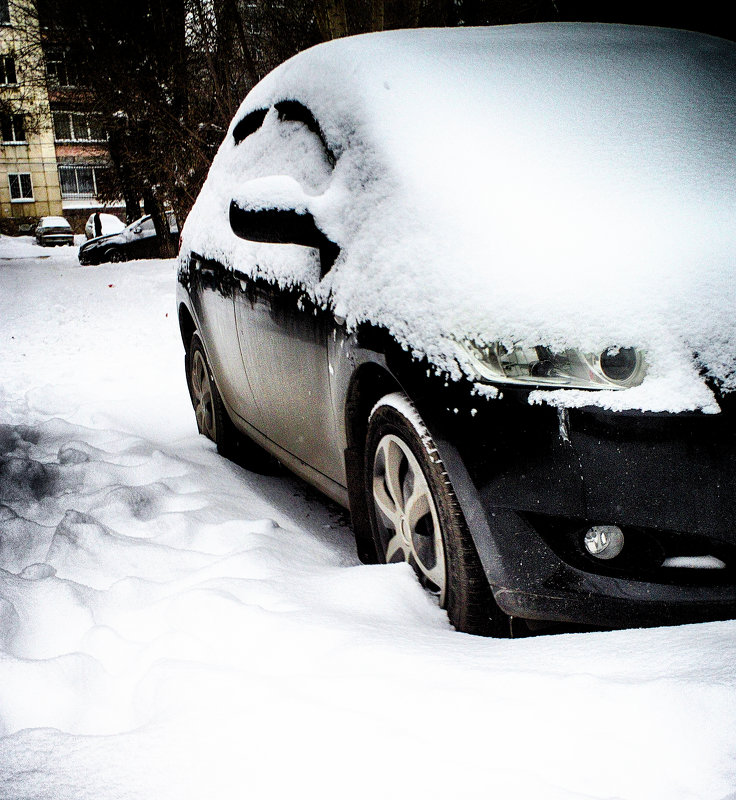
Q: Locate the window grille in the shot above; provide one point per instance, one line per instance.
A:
(78, 182)
(72, 126)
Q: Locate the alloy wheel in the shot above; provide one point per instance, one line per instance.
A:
(407, 513)
(202, 399)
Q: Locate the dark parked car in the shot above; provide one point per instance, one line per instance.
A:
(51, 231)
(138, 240)
(477, 286)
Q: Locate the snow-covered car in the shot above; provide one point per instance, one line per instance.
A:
(477, 285)
(137, 240)
(51, 231)
(109, 224)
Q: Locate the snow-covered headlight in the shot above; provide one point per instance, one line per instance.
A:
(613, 368)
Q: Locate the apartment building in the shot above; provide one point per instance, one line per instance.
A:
(79, 138)
(29, 178)
(53, 151)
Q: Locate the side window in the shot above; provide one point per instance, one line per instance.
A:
(148, 226)
(285, 140)
(294, 111)
(249, 124)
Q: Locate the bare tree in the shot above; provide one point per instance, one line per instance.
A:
(135, 68)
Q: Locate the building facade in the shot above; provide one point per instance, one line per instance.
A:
(29, 178)
(53, 151)
(79, 138)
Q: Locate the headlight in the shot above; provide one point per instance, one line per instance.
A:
(614, 368)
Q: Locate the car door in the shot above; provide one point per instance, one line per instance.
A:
(211, 288)
(142, 242)
(282, 334)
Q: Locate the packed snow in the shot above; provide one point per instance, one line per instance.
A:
(566, 185)
(172, 626)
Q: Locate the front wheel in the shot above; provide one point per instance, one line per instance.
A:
(415, 517)
(114, 255)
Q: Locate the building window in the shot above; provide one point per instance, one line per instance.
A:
(61, 70)
(21, 187)
(72, 126)
(13, 128)
(4, 12)
(79, 182)
(7, 71)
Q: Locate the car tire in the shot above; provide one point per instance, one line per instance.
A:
(209, 410)
(415, 517)
(114, 255)
(214, 422)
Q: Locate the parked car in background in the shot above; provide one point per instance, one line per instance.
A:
(137, 240)
(477, 285)
(51, 231)
(110, 224)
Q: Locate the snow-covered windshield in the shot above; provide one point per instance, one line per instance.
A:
(558, 185)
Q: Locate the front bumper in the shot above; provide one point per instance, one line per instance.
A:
(541, 478)
(539, 583)
(90, 258)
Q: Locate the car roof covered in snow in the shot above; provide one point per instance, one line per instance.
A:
(54, 222)
(557, 184)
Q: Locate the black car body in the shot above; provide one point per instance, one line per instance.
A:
(137, 240)
(543, 485)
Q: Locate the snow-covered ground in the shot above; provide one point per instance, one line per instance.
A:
(172, 626)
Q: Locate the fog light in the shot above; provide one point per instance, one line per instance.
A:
(604, 541)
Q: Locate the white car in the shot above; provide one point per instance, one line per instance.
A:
(110, 224)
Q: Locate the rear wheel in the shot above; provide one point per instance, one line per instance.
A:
(213, 420)
(415, 517)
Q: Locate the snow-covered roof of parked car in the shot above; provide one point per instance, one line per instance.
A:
(54, 222)
(571, 185)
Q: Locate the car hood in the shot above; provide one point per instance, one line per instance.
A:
(90, 244)
(568, 185)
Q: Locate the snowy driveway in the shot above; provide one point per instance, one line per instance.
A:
(172, 626)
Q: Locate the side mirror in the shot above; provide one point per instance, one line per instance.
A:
(277, 213)
(137, 229)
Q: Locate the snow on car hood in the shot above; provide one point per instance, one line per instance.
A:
(556, 184)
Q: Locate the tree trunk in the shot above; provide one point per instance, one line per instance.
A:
(331, 18)
(377, 15)
(151, 205)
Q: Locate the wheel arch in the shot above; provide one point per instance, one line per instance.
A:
(368, 384)
(187, 326)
